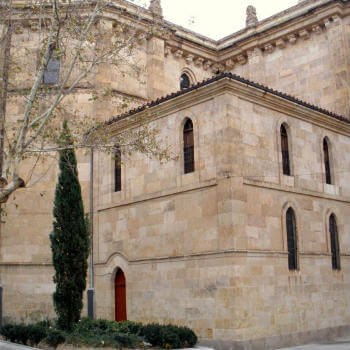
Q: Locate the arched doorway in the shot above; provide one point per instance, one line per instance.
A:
(120, 296)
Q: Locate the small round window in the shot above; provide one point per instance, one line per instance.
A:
(184, 81)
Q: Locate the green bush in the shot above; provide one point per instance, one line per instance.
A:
(8, 332)
(128, 327)
(187, 337)
(24, 334)
(170, 338)
(16, 333)
(104, 333)
(152, 334)
(100, 333)
(54, 337)
(36, 333)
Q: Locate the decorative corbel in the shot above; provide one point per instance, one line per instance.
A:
(189, 58)
(280, 43)
(34, 25)
(178, 53)
(317, 29)
(230, 64)
(199, 61)
(18, 28)
(167, 51)
(207, 64)
(269, 48)
(241, 59)
(304, 34)
(292, 39)
(217, 68)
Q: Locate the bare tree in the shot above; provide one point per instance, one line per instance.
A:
(72, 38)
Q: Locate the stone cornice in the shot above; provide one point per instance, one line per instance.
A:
(309, 20)
(286, 28)
(241, 90)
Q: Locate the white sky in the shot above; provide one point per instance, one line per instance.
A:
(219, 18)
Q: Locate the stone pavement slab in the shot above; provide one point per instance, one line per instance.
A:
(340, 344)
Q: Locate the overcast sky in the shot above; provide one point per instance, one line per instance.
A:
(217, 18)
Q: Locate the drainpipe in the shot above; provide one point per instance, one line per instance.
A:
(90, 292)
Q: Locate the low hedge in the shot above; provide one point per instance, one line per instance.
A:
(100, 333)
(32, 334)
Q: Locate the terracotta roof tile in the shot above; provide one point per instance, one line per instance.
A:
(220, 77)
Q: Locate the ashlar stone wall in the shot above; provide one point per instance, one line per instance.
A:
(209, 249)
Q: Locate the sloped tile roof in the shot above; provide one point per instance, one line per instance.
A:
(220, 77)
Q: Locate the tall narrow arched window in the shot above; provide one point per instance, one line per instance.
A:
(185, 81)
(117, 171)
(285, 151)
(327, 162)
(333, 231)
(188, 147)
(292, 240)
(51, 73)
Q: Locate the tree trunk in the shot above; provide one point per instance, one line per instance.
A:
(7, 36)
(7, 188)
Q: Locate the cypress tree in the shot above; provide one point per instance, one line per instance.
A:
(70, 239)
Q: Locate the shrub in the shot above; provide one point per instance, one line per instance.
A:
(21, 333)
(170, 338)
(36, 333)
(8, 332)
(104, 333)
(100, 333)
(128, 327)
(152, 334)
(54, 337)
(187, 337)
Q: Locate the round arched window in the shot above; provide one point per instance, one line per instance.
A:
(184, 81)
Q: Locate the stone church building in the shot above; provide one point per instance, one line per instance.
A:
(245, 235)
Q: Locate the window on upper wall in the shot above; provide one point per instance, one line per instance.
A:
(292, 240)
(188, 147)
(185, 81)
(285, 150)
(117, 171)
(327, 162)
(51, 73)
(333, 231)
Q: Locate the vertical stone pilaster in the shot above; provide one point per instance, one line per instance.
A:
(155, 68)
(229, 161)
(339, 56)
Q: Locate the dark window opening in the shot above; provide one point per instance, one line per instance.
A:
(285, 151)
(52, 70)
(326, 162)
(333, 230)
(188, 147)
(117, 171)
(184, 81)
(292, 240)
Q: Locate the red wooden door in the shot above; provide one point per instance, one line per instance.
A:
(120, 296)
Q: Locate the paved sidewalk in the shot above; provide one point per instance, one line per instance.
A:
(340, 344)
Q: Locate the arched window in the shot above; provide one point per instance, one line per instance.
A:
(326, 162)
(185, 81)
(292, 240)
(120, 296)
(117, 171)
(333, 231)
(285, 150)
(51, 73)
(188, 147)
